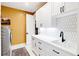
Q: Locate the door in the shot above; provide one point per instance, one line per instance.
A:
(30, 28)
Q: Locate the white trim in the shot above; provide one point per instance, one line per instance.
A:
(29, 49)
(17, 46)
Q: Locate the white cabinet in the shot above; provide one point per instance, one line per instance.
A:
(39, 47)
(42, 48)
(56, 7)
(69, 6)
(43, 16)
(34, 46)
(55, 51)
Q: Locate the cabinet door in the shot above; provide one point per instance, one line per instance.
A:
(43, 16)
(56, 7)
(69, 6)
(43, 48)
(33, 42)
(34, 46)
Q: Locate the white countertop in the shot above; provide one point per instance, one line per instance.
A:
(45, 38)
(49, 40)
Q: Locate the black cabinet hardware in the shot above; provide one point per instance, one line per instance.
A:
(40, 48)
(35, 44)
(56, 51)
(33, 39)
(39, 42)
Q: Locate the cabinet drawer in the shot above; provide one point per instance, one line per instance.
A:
(43, 48)
(43, 44)
(34, 43)
(59, 52)
(43, 52)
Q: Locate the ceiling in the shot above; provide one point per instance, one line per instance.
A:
(26, 6)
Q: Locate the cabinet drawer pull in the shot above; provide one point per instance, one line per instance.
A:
(39, 42)
(56, 51)
(33, 39)
(40, 48)
(35, 44)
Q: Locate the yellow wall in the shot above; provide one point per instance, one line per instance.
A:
(18, 19)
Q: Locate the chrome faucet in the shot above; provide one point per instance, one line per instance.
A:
(62, 35)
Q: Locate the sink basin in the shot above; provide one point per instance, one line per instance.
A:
(64, 44)
(59, 42)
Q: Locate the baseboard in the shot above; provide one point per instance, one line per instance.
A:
(29, 49)
(18, 46)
